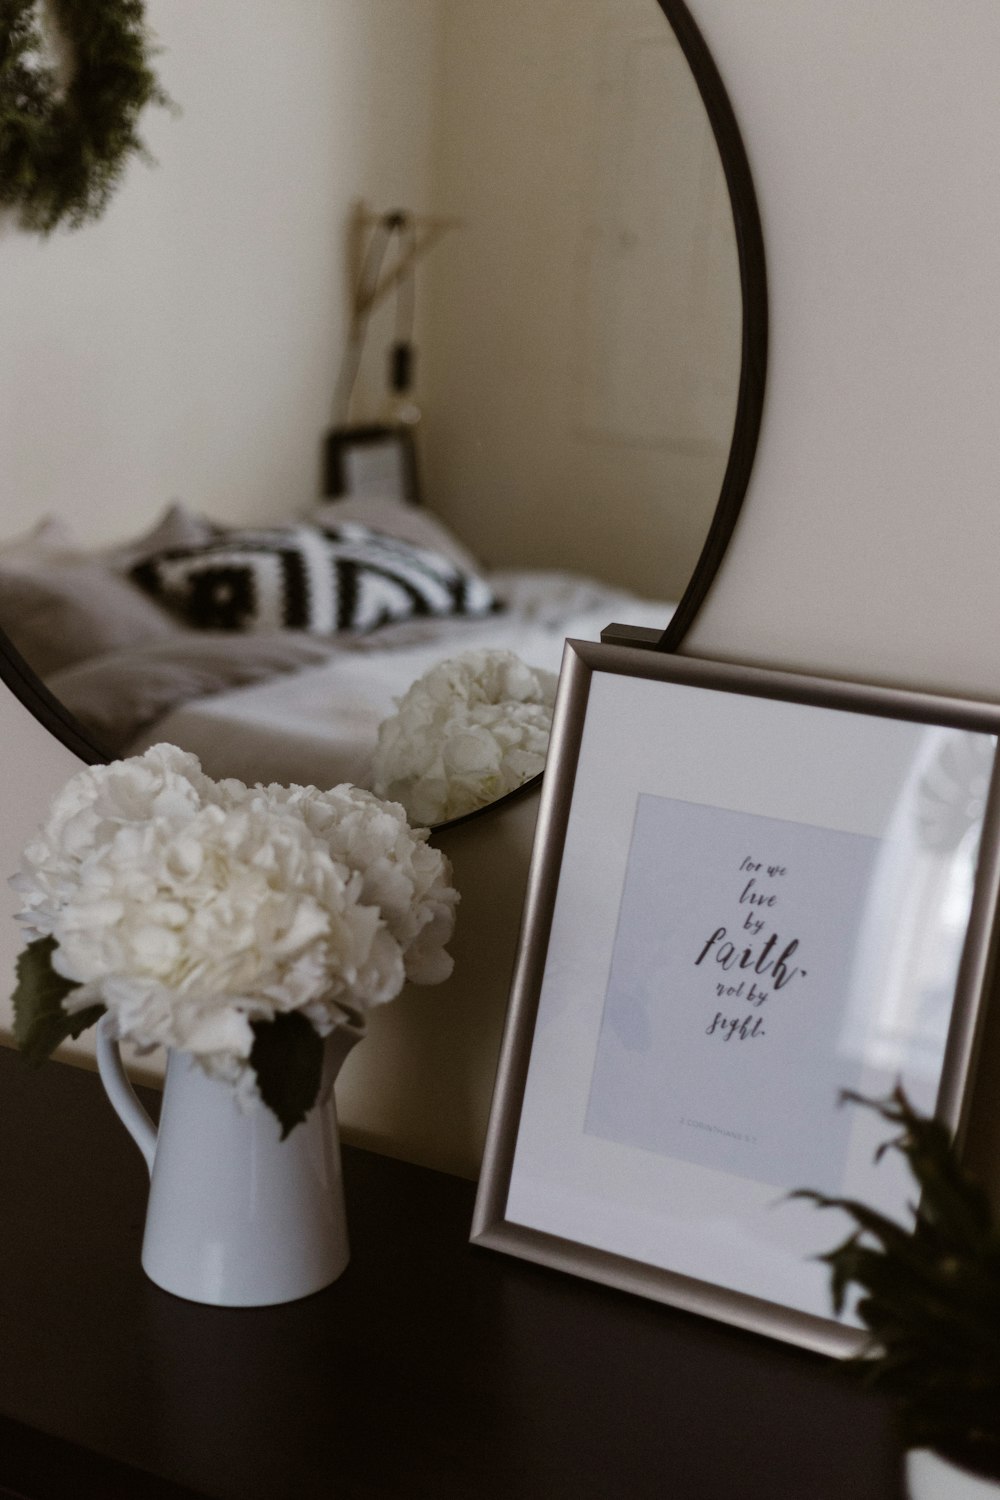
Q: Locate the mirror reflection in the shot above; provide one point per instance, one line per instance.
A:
(571, 324)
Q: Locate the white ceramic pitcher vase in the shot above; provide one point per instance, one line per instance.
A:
(237, 1217)
(931, 1477)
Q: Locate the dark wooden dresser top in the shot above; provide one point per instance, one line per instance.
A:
(430, 1370)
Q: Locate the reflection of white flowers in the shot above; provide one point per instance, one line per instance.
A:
(192, 908)
(471, 729)
(952, 791)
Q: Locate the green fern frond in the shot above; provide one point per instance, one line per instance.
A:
(929, 1293)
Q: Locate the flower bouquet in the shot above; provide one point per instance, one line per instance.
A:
(240, 925)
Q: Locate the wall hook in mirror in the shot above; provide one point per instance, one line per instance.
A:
(424, 231)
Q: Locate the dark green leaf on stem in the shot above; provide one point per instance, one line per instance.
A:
(287, 1057)
(40, 1022)
(929, 1294)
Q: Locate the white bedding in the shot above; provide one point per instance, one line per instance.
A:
(317, 726)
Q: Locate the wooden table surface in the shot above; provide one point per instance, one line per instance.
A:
(430, 1370)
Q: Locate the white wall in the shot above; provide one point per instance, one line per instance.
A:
(583, 344)
(870, 543)
(187, 344)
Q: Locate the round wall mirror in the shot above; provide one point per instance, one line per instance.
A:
(569, 249)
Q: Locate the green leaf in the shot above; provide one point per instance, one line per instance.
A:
(287, 1056)
(40, 1023)
(929, 1294)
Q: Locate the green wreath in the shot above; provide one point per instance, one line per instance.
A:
(64, 149)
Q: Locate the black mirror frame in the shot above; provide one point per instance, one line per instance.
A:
(753, 285)
(25, 684)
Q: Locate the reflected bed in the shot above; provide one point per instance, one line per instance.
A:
(267, 703)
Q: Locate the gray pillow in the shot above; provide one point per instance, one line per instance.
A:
(60, 605)
(60, 614)
(49, 540)
(117, 695)
(407, 523)
(176, 527)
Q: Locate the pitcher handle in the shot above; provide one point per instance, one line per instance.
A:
(343, 1040)
(119, 1090)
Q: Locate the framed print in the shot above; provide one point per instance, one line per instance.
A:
(749, 892)
(376, 461)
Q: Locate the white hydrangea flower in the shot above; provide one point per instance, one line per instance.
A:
(164, 787)
(401, 874)
(192, 908)
(470, 730)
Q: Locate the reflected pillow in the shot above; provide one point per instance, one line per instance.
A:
(61, 605)
(64, 613)
(407, 523)
(117, 695)
(49, 540)
(321, 580)
(176, 527)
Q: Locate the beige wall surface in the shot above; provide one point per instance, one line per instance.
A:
(584, 331)
(187, 344)
(870, 539)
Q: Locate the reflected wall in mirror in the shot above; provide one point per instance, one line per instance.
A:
(585, 347)
(578, 339)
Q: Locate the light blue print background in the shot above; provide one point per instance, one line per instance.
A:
(763, 1107)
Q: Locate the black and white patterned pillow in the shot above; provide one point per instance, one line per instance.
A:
(319, 579)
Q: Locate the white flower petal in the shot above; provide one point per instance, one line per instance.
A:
(472, 728)
(191, 908)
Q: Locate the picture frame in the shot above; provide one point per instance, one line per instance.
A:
(749, 891)
(377, 461)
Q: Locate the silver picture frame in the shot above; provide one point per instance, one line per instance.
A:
(658, 766)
